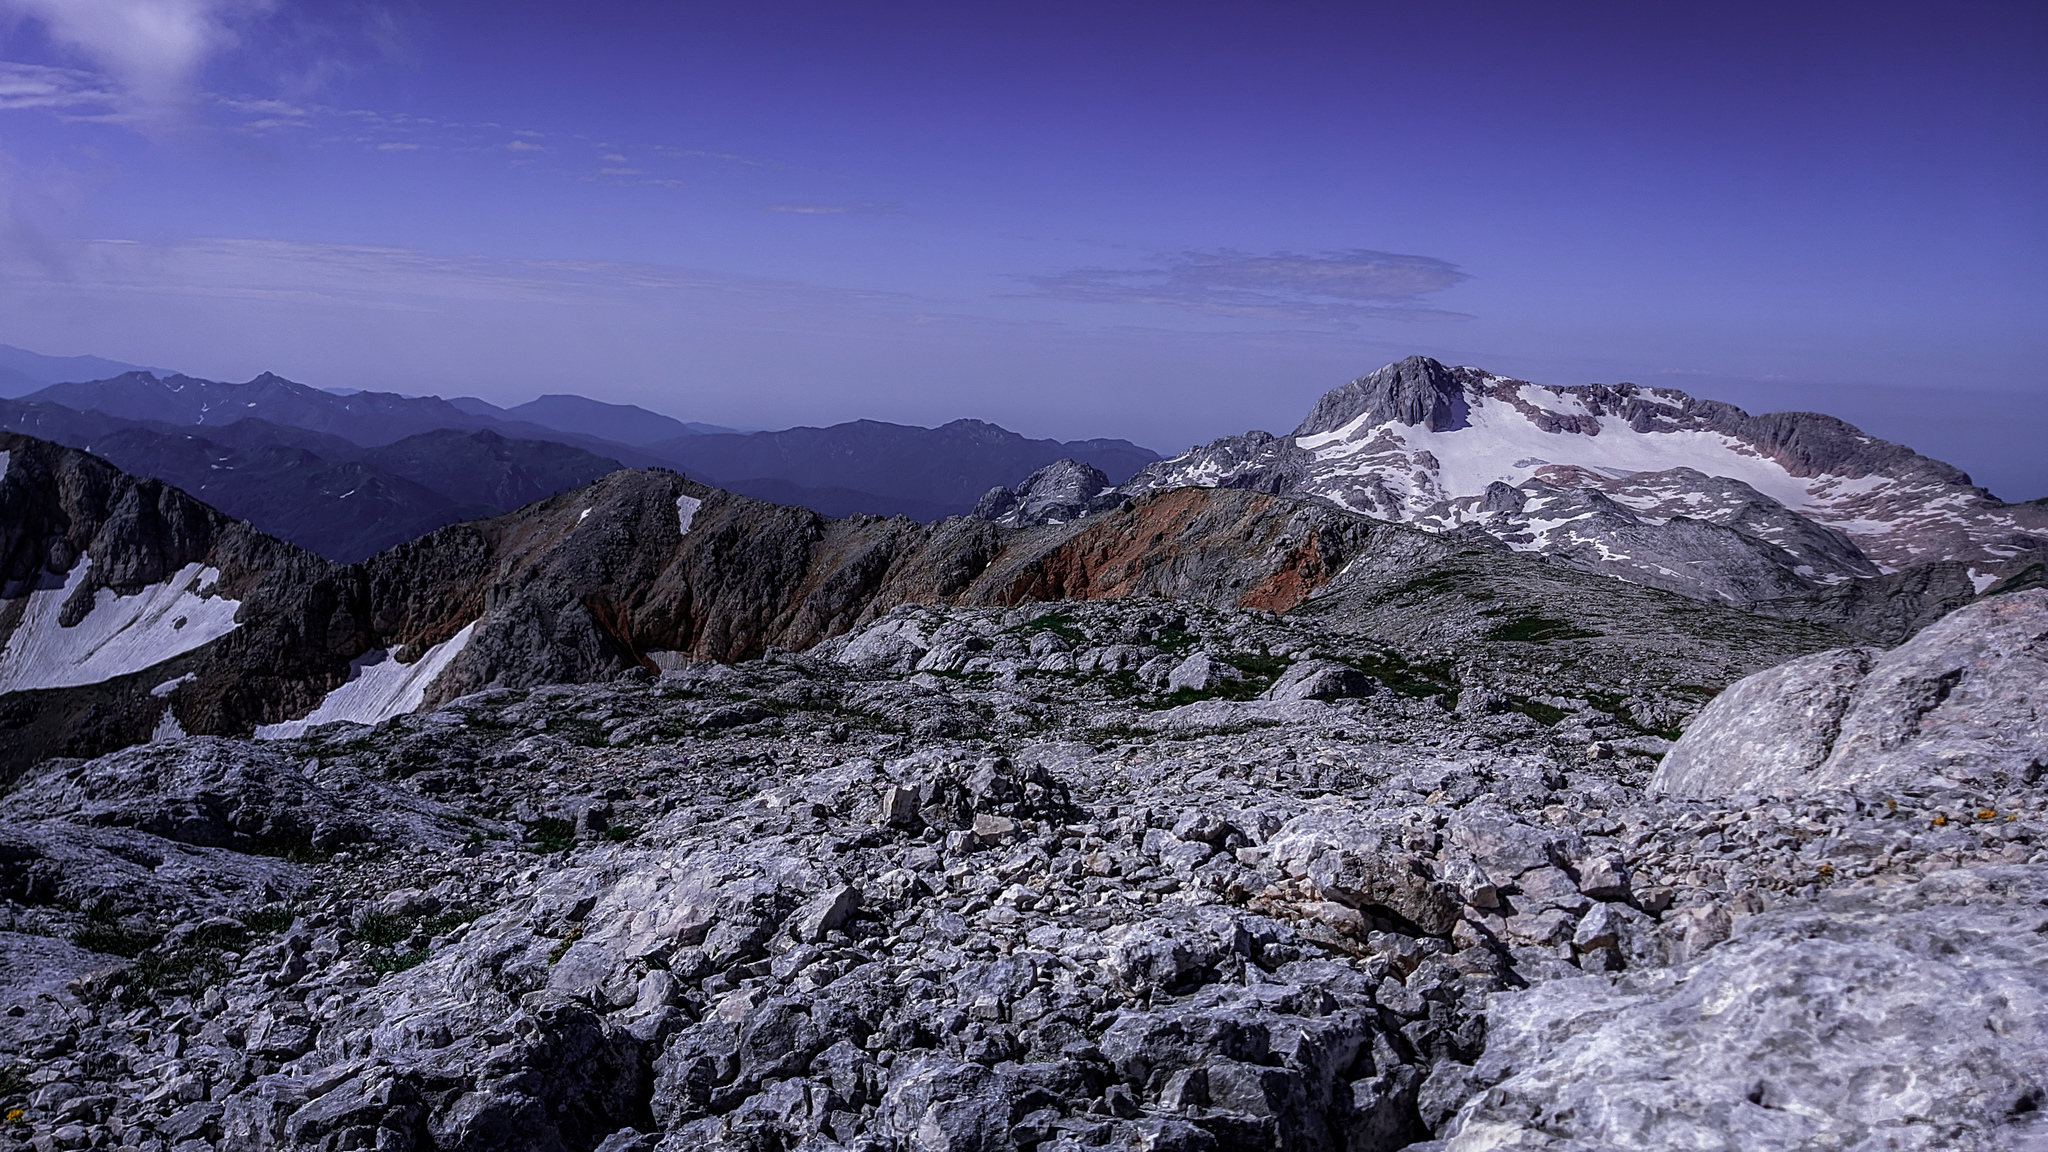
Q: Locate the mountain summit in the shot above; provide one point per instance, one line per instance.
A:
(1648, 484)
(1417, 390)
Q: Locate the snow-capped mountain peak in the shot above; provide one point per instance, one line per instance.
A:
(1650, 484)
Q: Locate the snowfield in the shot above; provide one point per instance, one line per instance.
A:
(378, 688)
(122, 634)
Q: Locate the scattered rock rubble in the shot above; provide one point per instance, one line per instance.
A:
(1107, 875)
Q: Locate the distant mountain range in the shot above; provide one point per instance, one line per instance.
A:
(23, 371)
(619, 423)
(921, 472)
(349, 474)
(1421, 504)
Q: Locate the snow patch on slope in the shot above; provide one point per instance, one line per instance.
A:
(122, 634)
(378, 688)
(1501, 443)
(686, 511)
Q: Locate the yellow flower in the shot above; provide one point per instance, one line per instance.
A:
(1986, 814)
(1940, 820)
(14, 1115)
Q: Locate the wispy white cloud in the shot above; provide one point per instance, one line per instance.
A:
(524, 146)
(153, 49)
(864, 209)
(37, 86)
(1357, 284)
(399, 279)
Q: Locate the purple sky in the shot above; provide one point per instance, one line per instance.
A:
(1160, 221)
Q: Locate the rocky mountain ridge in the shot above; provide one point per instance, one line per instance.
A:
(1793, 513)
(644, 569)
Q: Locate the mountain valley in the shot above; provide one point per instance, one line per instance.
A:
(1483, 766)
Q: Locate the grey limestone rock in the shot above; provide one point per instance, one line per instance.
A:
(1320, 680)
(1059, 492)
(822, 911)
(1960, 702)
(1770, 730)
(1199, 672)
(1896, 1018)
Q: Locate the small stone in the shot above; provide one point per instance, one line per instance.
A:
(899, 806)
(825, 913)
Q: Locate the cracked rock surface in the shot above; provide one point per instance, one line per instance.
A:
(1007, 879)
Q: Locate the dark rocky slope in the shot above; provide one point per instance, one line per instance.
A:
(606, 580)
(323, 493)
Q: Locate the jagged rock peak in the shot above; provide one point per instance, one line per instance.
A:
(1063, 490)
(1417, 390)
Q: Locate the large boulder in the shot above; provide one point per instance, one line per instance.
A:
(1321, 680)
(1901, 1017)
(1352, 859)
(1960, 704)
(1778, 725)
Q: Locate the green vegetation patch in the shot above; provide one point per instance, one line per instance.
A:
(1060, 624)
(1405, 678)
(563, 945)
(380, 930)
(1544, 714)
(1258, 665)
(185, 971)
(269, 919)
(449, 920)
(1618, 708)
(550, 834)
(1537, 630)
(113, 940)
(385, 963)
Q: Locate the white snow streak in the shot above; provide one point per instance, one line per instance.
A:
(686, 511)
(168, 728)
(169, 686)
(122, 634)
(378, 688)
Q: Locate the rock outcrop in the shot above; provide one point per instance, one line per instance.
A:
(1960, 702)
(1061, 491)
(1904, 1017)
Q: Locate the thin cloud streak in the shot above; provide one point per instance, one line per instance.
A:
(25, 86)
(385, 278)
(1334, 287)
(865, 209)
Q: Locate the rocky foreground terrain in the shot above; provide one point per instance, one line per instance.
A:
(1125, 873)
